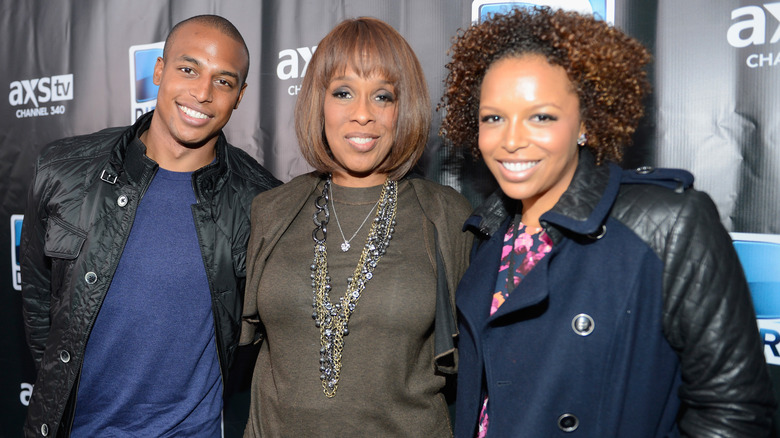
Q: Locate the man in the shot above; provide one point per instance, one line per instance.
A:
(133, 254)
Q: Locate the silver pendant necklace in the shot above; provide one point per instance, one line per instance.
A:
(345, 246)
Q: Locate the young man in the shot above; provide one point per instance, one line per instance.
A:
(133, 254)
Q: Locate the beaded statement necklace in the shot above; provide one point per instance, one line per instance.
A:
(333, 319)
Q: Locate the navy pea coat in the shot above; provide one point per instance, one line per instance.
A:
(637, 323)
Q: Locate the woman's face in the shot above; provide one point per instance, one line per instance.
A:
(360, 119)
(529, 122)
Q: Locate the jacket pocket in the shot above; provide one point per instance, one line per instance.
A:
(63, 241)
(63, 245)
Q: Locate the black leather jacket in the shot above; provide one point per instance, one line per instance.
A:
(81, 207)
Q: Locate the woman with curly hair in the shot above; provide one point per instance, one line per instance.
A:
(598, 300)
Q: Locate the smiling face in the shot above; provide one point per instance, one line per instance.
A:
(201, 82)
(360, 121)
(529, 122)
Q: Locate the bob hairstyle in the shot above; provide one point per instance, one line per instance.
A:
(604, 65)
(368, 46)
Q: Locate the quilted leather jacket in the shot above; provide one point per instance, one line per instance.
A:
(80, 210)
(638, 323)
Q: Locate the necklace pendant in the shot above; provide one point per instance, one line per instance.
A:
(345, 246)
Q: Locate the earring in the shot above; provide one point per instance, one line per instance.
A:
(582, 140)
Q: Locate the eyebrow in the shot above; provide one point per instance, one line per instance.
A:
(197, 63)
(383, 83)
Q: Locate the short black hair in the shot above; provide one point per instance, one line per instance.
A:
(221, 24)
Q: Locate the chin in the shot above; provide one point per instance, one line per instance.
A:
(511, 190)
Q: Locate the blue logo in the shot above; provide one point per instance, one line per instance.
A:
(760, 258)
(16, 237)
(143, 91)
(145, 88)
(601, 9)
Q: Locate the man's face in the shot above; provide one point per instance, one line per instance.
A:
(201, 82)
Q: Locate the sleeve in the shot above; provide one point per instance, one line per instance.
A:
(452, 259)
(250, 319)
(709, 319)
(35, 269)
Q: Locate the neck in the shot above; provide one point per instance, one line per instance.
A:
(171, 155)
(346, 179)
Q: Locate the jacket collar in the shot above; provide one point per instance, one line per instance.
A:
(129, 156)
(582, 209)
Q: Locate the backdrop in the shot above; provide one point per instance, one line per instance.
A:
(77, 66)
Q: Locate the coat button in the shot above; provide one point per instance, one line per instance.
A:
(45, 429)
(64, 356)
(583, 324)
(600, 233)
(121, 200)
(90, 277)
(568, 423)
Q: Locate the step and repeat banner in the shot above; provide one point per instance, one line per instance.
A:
(73, 67)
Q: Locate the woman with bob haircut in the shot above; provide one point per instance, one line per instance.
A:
(600, 301)
(357, 329)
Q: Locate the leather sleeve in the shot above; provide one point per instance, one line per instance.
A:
(710, 321)
(250, 320)
(35, 270)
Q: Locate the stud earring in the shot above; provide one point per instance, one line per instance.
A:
(582, 140)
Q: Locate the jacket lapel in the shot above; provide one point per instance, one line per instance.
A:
(532, 290)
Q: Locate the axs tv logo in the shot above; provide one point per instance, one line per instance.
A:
(293, 64)
(751, 27)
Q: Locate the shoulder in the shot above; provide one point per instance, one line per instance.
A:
(273, 210)
(300, 186)
(656, 213)
(247, 170)
(286, 198)
(443, 198)
(88, 146)
(657, 194)
(660, 192)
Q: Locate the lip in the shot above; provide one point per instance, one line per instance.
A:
(193, 118)
(518, 170)
(362, 141)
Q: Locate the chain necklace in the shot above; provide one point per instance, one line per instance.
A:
(333, 319)
(345, 246)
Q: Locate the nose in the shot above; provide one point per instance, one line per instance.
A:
(201, 89)
(516, 136)
(363, 112)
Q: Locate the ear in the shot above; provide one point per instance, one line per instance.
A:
(158, 71)
(240, 96)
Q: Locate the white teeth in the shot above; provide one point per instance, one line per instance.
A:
(193, 113)
(519, 167)
(361, 140)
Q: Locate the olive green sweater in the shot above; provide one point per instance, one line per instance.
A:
(390, 384)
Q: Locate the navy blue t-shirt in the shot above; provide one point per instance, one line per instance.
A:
(151, 365)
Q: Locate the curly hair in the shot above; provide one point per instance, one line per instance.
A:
(605, 65)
